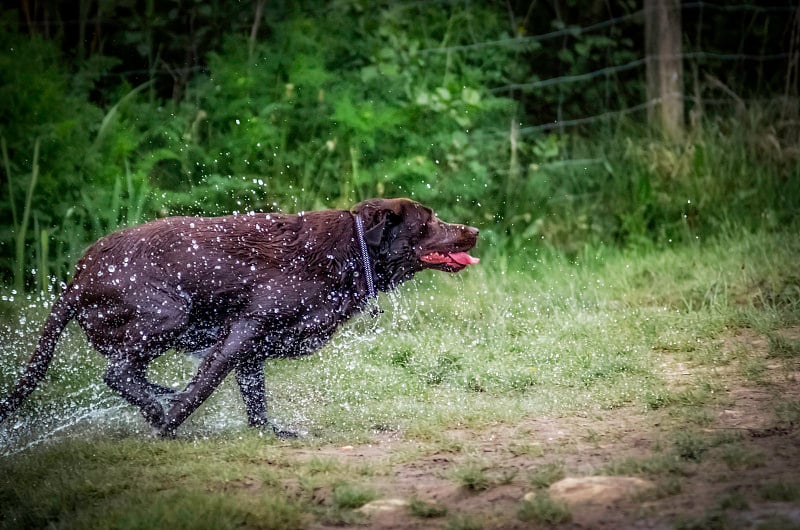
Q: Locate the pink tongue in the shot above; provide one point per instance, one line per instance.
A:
(462, 258)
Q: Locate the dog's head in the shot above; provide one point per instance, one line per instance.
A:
(405, 237)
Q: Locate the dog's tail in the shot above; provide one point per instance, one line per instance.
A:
(62, 312)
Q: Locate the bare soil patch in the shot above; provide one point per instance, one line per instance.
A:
(746, 446)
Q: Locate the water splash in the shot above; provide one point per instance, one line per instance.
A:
(19, 437)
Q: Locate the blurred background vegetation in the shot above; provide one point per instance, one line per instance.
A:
(525, 118)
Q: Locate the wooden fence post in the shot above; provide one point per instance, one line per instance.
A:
(664, 66)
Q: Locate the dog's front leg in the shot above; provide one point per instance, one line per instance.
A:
(250, 377)
(227, 353)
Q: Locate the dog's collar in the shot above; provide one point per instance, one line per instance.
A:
(372, 293)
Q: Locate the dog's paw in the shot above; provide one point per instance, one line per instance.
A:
(162, 432)
(287, 435)
(154, 414)
(284, 434)
(267, 426)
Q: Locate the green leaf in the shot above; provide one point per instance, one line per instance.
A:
(443, 94)
(368, 73)
(470, 96)
(111, 115)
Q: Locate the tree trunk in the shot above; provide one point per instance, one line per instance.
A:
(254, 29)
(664, 66)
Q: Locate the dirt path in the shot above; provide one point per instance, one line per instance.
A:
(731, 462)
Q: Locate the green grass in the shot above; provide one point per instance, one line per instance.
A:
(547, 474)
(659, 464)
(426, 510)
(780, 491)
(738, 456)
(487, 348)
(782, 347)
(349, 497)
(131, 483)
(473, 477)
(542, 509)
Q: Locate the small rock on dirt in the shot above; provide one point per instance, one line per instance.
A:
(383, 505)
(599, 490)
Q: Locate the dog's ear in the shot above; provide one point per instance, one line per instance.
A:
(373, 236)
(378, 215)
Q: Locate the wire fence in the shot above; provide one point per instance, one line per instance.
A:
(574, 31)
(640, 63)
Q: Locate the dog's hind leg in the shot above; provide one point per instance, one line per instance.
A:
(240, 341)
(127, 377)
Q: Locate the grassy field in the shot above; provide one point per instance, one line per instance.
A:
(678, 365)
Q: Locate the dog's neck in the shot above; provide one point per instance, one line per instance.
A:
(369, 276)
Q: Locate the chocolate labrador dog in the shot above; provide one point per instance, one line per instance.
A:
(241, 287)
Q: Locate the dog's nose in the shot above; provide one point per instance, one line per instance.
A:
(471, 231)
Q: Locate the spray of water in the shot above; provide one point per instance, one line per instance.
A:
(73, 401)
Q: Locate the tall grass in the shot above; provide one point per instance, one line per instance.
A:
(619, 186)
(21, 224)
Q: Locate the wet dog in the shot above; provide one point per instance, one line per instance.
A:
(243, 288)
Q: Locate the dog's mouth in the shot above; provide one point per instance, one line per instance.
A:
(449, 261)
